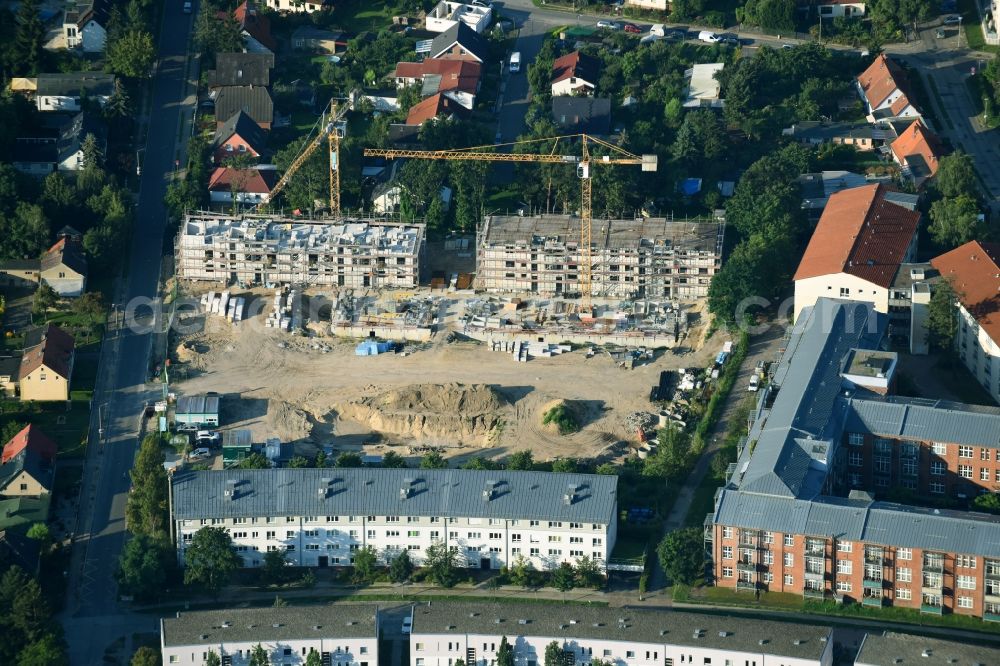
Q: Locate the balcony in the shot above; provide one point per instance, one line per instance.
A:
(814, 575)
(872, 584)
(931, 609)
(744, 565)
(992, 597)
(934, 566)
(745, 586)
(816, 550)
(991, 617)
(992, 574)
(871, 601)
(875, 558)
(810, 593)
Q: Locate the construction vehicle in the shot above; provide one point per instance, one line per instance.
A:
(583, 163)
(330, 127)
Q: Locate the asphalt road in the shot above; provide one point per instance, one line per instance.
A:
(92, 620)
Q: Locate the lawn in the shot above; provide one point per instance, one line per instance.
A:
(973, 29)
(357, 16)
(703, 500)
(630, 547)
(68, 428)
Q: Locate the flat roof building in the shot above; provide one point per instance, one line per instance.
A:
(895, 649)
(253, 249)
(644, 257)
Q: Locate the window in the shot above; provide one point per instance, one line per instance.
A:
(727, 532)
(883, 446)
(908, 466)
(768, 557)
(984, 454)
(845, 546)
(727, 552)
(789, 559)
(905, 554)
(789, 579)
(965, 602)
(855, 439)
(937, 488)
(938, 468)
(768, 537)
(904, 575)
(789, 540)
(845, 292)
(412, 533)
(965, 452)
(727, 572)
(965, 471)
(939, 449)
(843, 586)
(984, 474)
(855, 458)
(965, 561)
(903, 594)
(845, 567)
(966, 582)
(883, 465)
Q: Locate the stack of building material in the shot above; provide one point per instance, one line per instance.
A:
(280, 315)
(225, 305)
(234, 311)
(523, 351)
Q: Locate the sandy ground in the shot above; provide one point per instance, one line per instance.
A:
(295, 388)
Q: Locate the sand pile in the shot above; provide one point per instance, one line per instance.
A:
(443, 412)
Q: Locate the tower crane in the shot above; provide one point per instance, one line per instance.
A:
(583, 163)
(331, 127)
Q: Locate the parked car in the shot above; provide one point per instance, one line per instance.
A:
(407, 624)
(679, 35)
(939, 34)
(632, 29)
(754, 383)
(729, 39)
(954, 19)
(608, 25)
(208, 438)
(788, 46)
(708, 36)
(658, 29)
(187, 6)
(199, 454)
(187, 427)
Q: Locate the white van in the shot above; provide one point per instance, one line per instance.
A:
(658, 29)
(515, 62)
(708, 36)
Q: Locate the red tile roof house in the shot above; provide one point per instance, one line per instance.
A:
(250, 186)
(918, 152)
(457, 79)
(47, 364)
(255, 28)
(239, 135)
(974, 272)
(857, 248)
(29, 437)
(436, 106)
(575, 74)
(885, 91)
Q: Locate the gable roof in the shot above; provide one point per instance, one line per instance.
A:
(881, 79)
(255, 101)
(17, 511)
(30, 437)
(432, 107)
(50, 346)
(244, 126)
(974, 270)
(448, 74)
(249, 181)
(578, 65)
(241, 69)
(72, 135)
(466, 37)
(591, 115)
(70, 84)
(98, 11)
(255, 24)
(860, 233)
(66, 253)
(919, 148)
(30, 461)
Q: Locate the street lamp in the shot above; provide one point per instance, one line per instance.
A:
(959, 31)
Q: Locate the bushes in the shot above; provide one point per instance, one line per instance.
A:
(562, 418)
(715, 403)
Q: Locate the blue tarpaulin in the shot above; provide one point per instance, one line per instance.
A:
(372, 348)
(690, 186)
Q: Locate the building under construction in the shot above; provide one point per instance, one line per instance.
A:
(640, 258)
(265, 250)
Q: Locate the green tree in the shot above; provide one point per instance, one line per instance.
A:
(25, 234)
(955, 221)
(29, 612)
(273, 569)
(28, 39)
(348, 459)
(146, 656)
(521, 571)
(254, 461)
(564, 578)
(701, 136)
(565, 465)
(45, 299)
(48, 650)
(209, 561)
(314, 658)
(505, 653)
(258, 656)
(90, 305)
(407, 96)
(92, 156)
(320, 459)
(400, 567)
(521, 460)
(131, 55)
(41, 533)
(481, 464)
(988, 502)
(682, 555)
(956, 176)
(588, 573)
(146, 507)
(673, 112)
(392, 460)
(672, 456)
(432, 460)
(214, 36)
(119, 105)
(442, 562)
(554, 654)
(213, 659)
(942, 316)
(144, 565)
(365, 563)
(298, 462)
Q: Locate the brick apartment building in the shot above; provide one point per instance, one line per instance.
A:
(805, 508)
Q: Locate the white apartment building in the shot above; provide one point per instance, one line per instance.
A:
(342, 634)
(255, 249)
(447, 14)
(296, 6)
(444, 632)
(321, 517)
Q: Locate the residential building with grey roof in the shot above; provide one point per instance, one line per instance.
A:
(894, 649)
(444, 632)
(343, 634)
(320, 517)
(806, 508)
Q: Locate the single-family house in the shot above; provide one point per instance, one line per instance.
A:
(383, 100)
(19, 513)
(653, 5)
(63, 92)
(575, 74)
(200, 410)
(246, 186)
(238, 135)
(69, 147)
(817, 188)
(298, 6)
(47, 364)
(19, 272)
(255, 28)
(918, 151)
(317, 40)
(64, 268)
(862, 136)
(447, 14)
(703, 86)
(460, 42)
(10, 369)
(457, 79)
(857, 248)
(973, 270)
(833, 8)
(62, 149)
(885, 91)
(586, 115)
(27, 464)
(388, 197)
(435, 106)
(85, 25)
(240, 69)
(255, 101)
